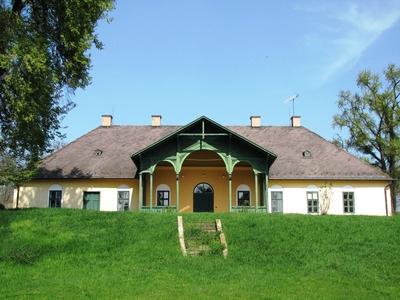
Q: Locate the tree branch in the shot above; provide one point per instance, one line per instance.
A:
(17, 7)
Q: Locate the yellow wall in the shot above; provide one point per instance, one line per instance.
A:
(192, 176)
(36, 192)
(369, 194)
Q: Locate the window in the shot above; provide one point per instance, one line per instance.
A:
(123, 200)
(243, 198)
(348, 202)
(162, 198)
(243, 195)
(91, 200)
(312, 202)
(277, 201)
(163, 195)
(307, 154)
(55, 198)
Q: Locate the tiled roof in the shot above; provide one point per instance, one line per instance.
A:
(116, 144)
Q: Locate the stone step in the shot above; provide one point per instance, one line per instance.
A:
(195, 251)
(205, 226)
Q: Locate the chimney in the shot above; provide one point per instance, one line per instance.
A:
(296, 121)
(106, 120)
(255, 121)
(156, 120)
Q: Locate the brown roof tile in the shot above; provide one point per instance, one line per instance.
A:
(79, 159)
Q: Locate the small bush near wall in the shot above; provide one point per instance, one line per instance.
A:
(6, 196)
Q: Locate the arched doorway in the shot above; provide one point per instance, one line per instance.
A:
(203, 198)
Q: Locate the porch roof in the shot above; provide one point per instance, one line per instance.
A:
(204, 134)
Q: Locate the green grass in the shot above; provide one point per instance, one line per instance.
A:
(50, 253)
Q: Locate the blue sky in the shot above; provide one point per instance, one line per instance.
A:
(229, 59)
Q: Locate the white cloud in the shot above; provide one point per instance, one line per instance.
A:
(357, 28)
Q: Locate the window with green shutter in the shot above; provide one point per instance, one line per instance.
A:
(348, 202)
(312, 202)
(91, 200)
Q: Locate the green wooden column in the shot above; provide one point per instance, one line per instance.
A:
(230, 191)
(256, 188)
(177, 192)
(266, 192)
(140, 191)
(151, 191)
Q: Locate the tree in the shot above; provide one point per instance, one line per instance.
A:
(372, 119)
(14, 173)
(43, 59)
(325, 198)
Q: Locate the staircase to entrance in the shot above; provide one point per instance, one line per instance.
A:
(202, 238)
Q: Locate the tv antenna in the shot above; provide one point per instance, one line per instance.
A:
(292, 98)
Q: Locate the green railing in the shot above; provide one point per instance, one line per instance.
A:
(160, 209)
(249, 209)
(235, 209)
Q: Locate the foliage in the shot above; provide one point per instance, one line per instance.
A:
(72, 254)
(325, 198)
(13, 173)
(43, 59)
(372, 119)
(6, 195)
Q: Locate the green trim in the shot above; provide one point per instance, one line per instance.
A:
(177, 192)
(256, 188)
(176, 151)
(266, 190)
(230, 191)
(249, 209)
(151, 191)
(203, 118)
(140, 190)
(160, 209)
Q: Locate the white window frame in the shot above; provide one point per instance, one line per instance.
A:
(276, 188)
(242, 188)
(55, 188)
(125, 188)
(349, 189)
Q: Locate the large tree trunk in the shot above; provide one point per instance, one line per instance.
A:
(393, 197)
(17, 197)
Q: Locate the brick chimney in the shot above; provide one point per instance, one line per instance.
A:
(296, 121)
(156, 120)
(255, 121)
(106, 120)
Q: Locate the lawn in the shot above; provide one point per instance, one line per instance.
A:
(61, 253)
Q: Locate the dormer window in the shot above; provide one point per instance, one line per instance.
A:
(306, 154)
(98, 152)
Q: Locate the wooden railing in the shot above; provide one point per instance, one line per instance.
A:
(160, 209)
(249, 209)
(235, 209)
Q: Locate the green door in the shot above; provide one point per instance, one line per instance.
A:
(203, 198)
(91, 200)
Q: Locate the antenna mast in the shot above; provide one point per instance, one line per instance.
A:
(292, 98)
